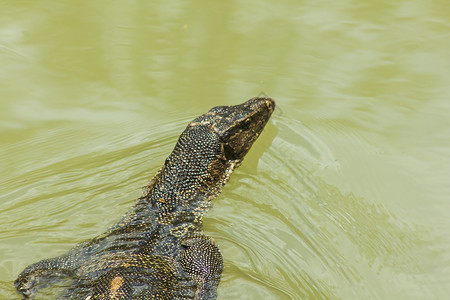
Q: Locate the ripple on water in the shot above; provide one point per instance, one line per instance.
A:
(285, 231)
(75, 195)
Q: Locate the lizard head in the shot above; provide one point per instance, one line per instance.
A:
(238, 126)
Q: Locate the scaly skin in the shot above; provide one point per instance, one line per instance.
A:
(158, 250)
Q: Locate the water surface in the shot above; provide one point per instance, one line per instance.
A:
(344, 195)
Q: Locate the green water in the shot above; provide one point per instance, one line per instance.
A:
(344, 196)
